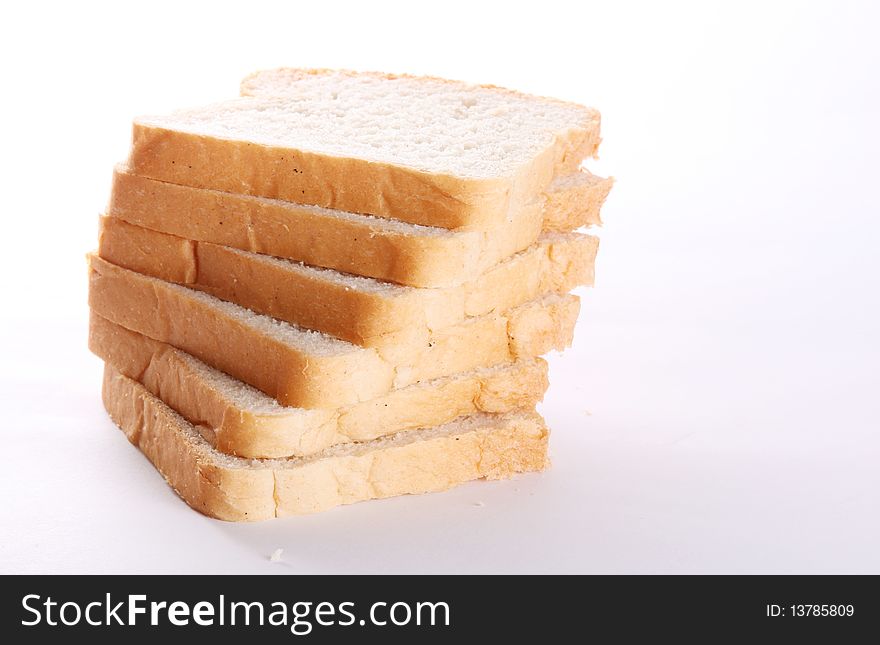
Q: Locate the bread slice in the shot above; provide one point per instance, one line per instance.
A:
(575, 200)
(417, 149)
(240, 420)
(410, 254)
(360, 310)
(309, 369)
(231, 488)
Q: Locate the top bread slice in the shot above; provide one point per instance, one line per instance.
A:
(409, 254)
(417, 149)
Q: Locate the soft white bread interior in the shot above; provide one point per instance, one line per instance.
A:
(417, 149)
(238, 419)
(448, 126)
(360, 310)
(481, 446)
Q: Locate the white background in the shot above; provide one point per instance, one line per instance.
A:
(719, 409)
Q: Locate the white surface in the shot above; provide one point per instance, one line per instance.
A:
(718, 412)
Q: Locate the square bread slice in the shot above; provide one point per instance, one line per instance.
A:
(481, 446)
(360, 310)
(310, 369)
(238, 419)
(419, 256)
(575, 200)
(417, 149)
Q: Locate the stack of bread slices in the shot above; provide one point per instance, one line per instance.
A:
(338, 286)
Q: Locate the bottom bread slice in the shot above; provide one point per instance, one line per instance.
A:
(481, 446)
